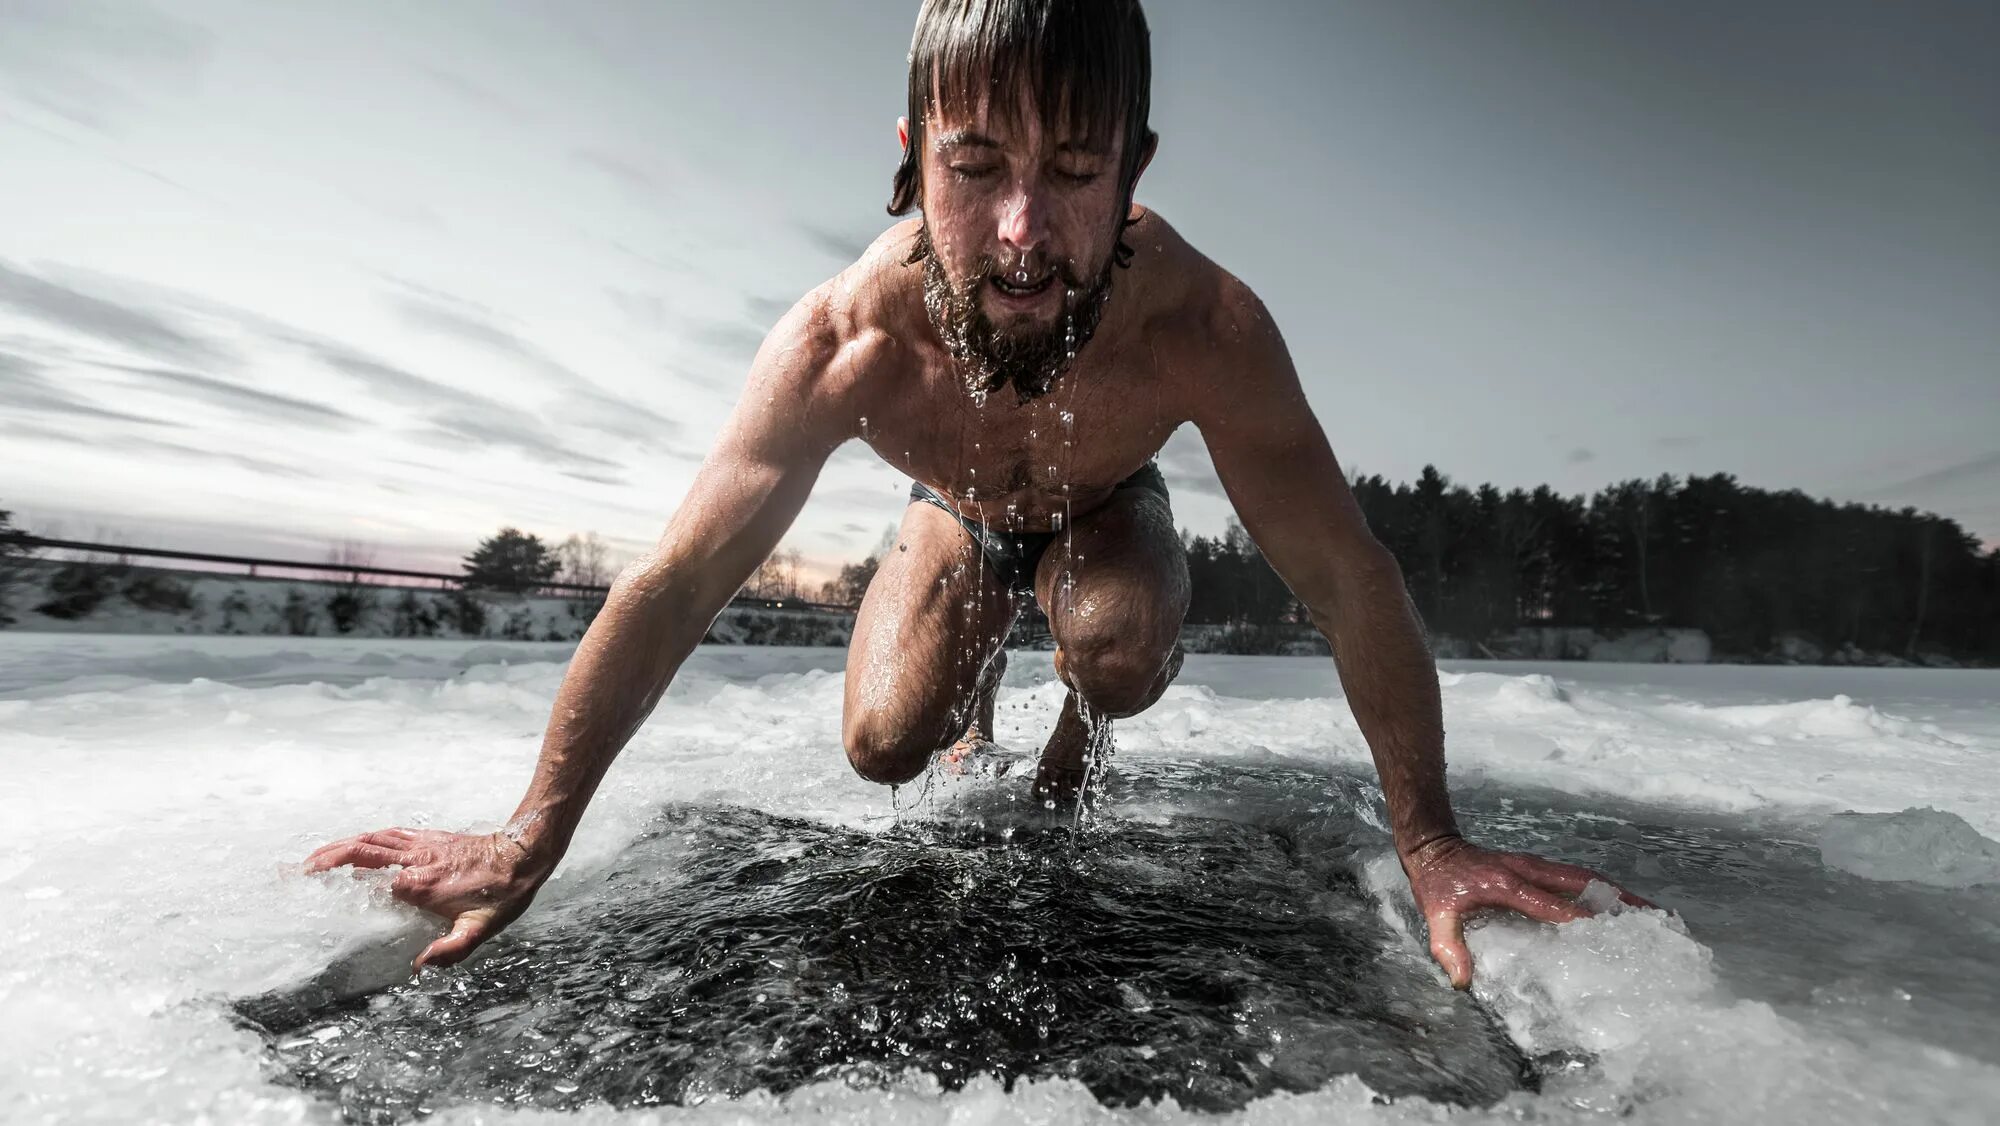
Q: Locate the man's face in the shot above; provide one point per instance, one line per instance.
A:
(1022, 224)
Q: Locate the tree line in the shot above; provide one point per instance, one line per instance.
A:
(1746, 565)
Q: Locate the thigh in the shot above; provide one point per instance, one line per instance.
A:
(1119, 577)
(934, 614)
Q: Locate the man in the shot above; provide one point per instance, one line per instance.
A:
(1021, 352)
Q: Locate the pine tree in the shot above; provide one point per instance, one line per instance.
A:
(510, 560)
(14, 555)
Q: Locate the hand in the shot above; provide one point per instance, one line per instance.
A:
(479, 883)
(1451, 877)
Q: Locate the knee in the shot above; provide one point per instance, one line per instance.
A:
(883, 752)
(1118, 679)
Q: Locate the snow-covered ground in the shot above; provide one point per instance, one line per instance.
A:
(159, 792)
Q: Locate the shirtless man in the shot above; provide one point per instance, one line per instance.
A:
(1021, 352)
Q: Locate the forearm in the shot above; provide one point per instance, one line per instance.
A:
(1391, 684)
(647, 628)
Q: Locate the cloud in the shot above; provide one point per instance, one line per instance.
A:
(1975, 470)
(646, 311)
(248, 401)
(89, 62)
(195, 453)
(642, 185)
(767, 310)
(1185, 464)
(731, 340)
(23, 387)
(1578, 456)
(1676, 441)
(109, 321)
(579, 402)
(455, 416)
(843, 247)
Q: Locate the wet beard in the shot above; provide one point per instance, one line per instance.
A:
(989, 358)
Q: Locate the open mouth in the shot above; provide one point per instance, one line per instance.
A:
(1019, 289)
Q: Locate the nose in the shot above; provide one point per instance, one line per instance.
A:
(1024, 219)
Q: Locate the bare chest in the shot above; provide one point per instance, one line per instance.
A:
(1021, 465)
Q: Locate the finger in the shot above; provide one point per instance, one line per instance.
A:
(387, 838)
(1570, 879)
(467, 932)
(1448, 948)
(1538, 903)
(413, 886)
(353, 852)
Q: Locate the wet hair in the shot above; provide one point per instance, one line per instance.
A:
(1087, 63)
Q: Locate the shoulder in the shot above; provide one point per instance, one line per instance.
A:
(849, 327)
(1225, 332)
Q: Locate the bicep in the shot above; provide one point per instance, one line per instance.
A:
(1280, 473)
(761, 469)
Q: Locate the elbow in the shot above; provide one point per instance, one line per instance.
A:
(1368, 579)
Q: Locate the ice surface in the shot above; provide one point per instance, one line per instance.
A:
(1923, 845)
(161, 791)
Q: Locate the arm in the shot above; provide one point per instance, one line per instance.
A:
(1282, 477)
(746, 494)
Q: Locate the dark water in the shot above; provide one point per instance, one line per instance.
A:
(1210, 957)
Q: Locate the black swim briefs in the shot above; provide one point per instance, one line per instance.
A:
(1014, 555)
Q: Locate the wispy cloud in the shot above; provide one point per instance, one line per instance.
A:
(248, 401)
(1578, 456)
(766, 310)
(1978, 469)
(224, 457)
(642, 185)
(24, 387)
(452, 415)
(842, 246)
(71, 310)
(90, 62)
(578, 401)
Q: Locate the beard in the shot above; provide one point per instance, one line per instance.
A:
(1029, 358)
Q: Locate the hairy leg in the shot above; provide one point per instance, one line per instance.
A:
(927, 649)
(1116, 592)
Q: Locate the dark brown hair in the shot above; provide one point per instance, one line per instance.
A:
(1088, 64)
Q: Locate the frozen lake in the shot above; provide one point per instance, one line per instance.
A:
(745, 930)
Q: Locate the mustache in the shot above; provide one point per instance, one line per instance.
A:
(988, 265)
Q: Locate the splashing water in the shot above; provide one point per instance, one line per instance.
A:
(728, 951)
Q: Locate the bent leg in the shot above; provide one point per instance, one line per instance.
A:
(927, 651)
(1116, 592)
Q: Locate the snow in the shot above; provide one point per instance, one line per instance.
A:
(1832, 957)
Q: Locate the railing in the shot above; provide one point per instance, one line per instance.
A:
(355, 570)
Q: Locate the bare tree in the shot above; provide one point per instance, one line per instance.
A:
(585, 559)
(777, 576)
(351, 554)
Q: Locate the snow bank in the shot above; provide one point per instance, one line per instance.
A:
(118, 599)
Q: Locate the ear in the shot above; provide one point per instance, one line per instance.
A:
(903, 133)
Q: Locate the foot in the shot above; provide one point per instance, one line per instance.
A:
(962, 757)
(1059, 783)
(1066, 760)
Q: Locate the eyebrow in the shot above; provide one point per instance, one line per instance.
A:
(966, 138)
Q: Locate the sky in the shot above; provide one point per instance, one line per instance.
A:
(275, 278)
